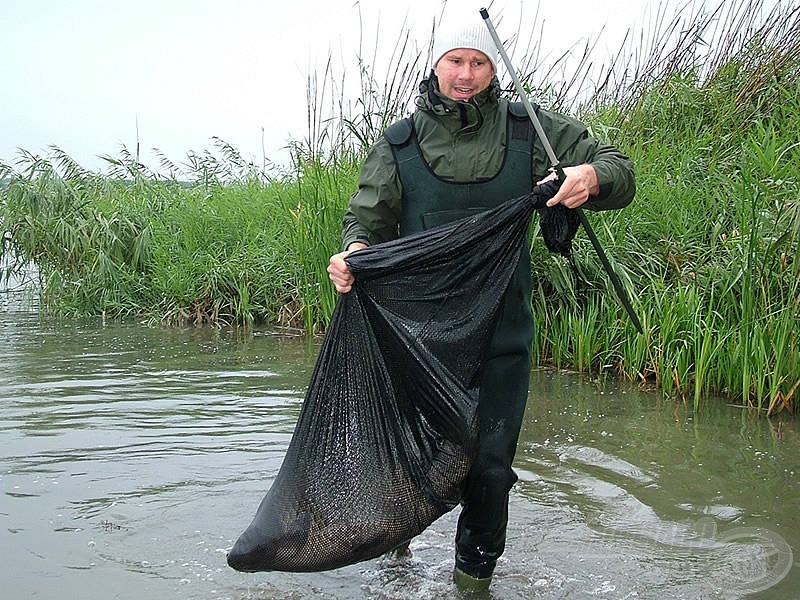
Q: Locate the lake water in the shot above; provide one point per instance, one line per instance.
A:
(133, 456)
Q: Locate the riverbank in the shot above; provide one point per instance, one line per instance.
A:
(708, 251)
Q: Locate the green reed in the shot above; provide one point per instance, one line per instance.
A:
(706, 104)
(709, 249)
(207, 251)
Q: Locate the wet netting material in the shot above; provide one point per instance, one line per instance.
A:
(388, 428)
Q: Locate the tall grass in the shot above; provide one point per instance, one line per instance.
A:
(712, 242)
(706, 102)
(197, 250)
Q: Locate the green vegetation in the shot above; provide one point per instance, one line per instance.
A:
(230, 247)
(707, 105)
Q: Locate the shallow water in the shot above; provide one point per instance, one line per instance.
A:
(133, 457)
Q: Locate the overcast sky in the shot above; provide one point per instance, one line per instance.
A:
(84, 75)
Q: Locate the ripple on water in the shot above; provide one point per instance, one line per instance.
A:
(133, 457)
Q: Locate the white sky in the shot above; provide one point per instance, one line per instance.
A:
(81, 74)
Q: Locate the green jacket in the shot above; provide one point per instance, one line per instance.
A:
(465, 141)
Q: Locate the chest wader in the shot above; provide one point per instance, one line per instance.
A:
(428, 201)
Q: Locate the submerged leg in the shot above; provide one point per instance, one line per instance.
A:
(481, 535)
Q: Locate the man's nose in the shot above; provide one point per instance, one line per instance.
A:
(465, 72)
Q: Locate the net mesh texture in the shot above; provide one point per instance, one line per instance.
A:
(388, 429)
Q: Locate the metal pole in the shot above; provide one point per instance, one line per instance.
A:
(615, 281)
(523, 96)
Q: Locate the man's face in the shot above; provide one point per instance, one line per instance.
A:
(463, 72)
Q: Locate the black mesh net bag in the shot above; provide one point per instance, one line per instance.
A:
(388, 428)
(559, 225)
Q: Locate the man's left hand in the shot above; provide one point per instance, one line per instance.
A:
(580, 182)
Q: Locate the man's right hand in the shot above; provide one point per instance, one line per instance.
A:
(339, 272)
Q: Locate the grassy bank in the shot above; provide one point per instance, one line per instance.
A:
(228, 247)
(711, 246)
(708, 251)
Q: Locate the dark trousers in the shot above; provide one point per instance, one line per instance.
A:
(481, 534)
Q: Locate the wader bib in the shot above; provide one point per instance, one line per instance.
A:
(429, 200)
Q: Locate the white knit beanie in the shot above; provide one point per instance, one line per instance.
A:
(473, 34)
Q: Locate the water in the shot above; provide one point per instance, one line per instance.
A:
(133, 456)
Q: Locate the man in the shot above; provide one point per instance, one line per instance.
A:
(462, 155)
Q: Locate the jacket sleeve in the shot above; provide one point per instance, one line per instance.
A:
(374, 211)
(573, 146)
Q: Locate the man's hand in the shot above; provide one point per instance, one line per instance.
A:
(580, 183)
(339, 272)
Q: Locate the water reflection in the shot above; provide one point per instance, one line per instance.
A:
(133, 456)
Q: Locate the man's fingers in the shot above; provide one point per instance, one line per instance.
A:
(339, 273)
(563, 194)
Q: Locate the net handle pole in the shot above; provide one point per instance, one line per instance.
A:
(554, 163)
(556, 166)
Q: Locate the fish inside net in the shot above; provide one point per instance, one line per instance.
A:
(388, 428)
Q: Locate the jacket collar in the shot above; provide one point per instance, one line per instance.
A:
(469, 113)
